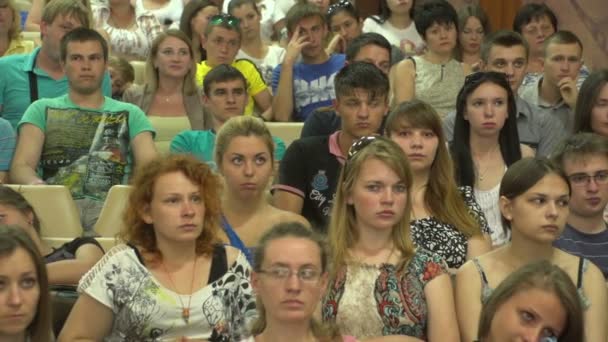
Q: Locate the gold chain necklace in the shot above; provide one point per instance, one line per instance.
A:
(185, 310)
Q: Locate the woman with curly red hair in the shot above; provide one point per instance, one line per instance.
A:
(173, 279)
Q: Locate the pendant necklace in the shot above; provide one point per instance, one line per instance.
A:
(185, 310)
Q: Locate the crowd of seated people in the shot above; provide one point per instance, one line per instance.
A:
(447, 182)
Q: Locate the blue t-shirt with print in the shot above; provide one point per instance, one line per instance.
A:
(313, 85)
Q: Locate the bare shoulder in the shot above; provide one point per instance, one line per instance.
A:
(405, 67)
(526, 151)
(231, 254)
(277, 216)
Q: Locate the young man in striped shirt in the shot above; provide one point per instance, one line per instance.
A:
(584, 159)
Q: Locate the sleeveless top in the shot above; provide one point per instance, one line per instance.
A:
(438, 84)
(486, 290)
(488, 201)
(235, 240)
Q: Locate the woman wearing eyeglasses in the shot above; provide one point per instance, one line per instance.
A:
(174, 280)
(170, 89)
(534, 196)
(486, 142)
(289, 279)
(266, 56)
(379, 284)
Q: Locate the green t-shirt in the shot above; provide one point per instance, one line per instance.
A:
(255, 81)
(202, 143)
(87, 150)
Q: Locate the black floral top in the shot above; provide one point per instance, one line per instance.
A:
(445, 239)
(370, 301)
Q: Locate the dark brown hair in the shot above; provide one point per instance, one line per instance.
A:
(12, 198)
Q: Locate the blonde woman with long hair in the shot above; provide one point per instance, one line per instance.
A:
(380, 285)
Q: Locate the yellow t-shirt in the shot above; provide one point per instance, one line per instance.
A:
(19, 46)
(255, 81)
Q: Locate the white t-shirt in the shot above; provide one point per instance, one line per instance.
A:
(145, 310)
(267, 64)
(408, 39)
(270, 16)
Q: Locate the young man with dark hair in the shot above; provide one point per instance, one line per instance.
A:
(556, 91)
(84, 140)
(28, 77)
(368, 47)
(301, 86)
(222, 43)
(224, 96)
(584, 159)
(507, 52)
(310, 168)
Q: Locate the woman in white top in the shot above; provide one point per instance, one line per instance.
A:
(271, 18)
(173, 280)
(130, 32)
(396, 24)
(486, 142)
(166, 11)
(265, 56)
(286, 304)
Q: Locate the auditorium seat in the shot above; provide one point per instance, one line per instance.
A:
(166, 129)
(287, 131)
(140, 71)
(59, 217)
(110, 221)
(33, 36)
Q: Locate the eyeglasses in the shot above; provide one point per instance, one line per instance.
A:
(225, 19)
(360, 144)
(305, 274)
(343, 4)
(582, 179)
(475, 77)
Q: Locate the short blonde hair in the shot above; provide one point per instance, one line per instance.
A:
(70, 8)
(241, 126)
(151, 73)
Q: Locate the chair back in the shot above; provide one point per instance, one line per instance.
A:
(166, 129)
(287, 131)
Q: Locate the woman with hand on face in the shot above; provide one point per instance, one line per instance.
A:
(435, 76)
(346, 24)
(445, 218)
(534, 195)
(170, 89)
(379, 284)
(174, 280)
(591, 112)
(289, 278)
(194, 20)
(245, 155)
(66, 264)
(473, 26)
(538, 302)
(25, 306)
(486, 142)
(264, 55)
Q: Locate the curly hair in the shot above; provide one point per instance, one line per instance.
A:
(142, 234)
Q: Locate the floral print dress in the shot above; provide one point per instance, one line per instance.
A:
(369, 301)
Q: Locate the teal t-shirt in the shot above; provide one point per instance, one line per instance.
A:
(15, 85)
(87, 150)
(202, 143)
